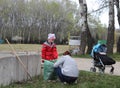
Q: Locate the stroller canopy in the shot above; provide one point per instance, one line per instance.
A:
(98, 48)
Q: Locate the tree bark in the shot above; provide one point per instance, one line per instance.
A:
(83, 35)
(118, 11)
(118, 16)
(90, 42)
(118, 45)
(86, 38)
(111, 28)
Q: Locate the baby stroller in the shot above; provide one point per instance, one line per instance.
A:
(100, 59)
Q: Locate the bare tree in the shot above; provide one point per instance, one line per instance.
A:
(34, 19)
(111, 28)
(118, 10)
(86, 38)
(118, 16)
(83, 14)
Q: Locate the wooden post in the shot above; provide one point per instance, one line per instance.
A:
(41, 67)
(69, 40)
(14, 52)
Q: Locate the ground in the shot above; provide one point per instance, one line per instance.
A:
(83, 63)
(86, 64)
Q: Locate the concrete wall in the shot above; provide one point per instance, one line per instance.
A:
(12, 71)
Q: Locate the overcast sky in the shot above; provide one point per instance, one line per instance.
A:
(92, 5)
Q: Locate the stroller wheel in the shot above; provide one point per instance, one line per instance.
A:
(112, 70)
(102, 69)
(93, 69)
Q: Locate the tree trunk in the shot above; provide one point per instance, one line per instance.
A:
(90, 42)
(111, 28)
(118, 45)
(118, 16)
(83, 35)
(118, 11)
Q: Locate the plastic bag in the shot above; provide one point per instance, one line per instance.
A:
(49, 73)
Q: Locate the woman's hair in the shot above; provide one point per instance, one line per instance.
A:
(67, 53)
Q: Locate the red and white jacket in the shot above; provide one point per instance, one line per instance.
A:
(49, 51)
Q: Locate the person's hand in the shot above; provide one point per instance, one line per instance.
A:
(42, 61)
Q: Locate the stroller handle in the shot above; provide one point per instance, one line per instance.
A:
(102, 53)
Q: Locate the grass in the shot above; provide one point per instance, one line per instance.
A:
(37, 48)
(82, 56)
(20, 47)
(30, 47)
(115, 56)
(85, 80)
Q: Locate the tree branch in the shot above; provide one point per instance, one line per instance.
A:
(98, 9)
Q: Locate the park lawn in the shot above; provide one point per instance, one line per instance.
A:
(85, 80)
(30, 47)
(37, 48)
(115, 56)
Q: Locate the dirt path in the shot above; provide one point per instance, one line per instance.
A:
(86, 64)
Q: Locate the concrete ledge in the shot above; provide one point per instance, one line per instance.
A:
(11, 69)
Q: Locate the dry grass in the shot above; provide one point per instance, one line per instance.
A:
(30, 47)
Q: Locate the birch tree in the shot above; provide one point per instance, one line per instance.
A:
(111, 28)
(86, 38)
(83, 34)
(117, 3)
(118, 16)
